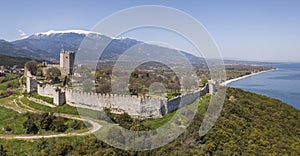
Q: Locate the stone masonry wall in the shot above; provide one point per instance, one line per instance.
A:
(184, 100)
(133, 105)
(46, 90)
(116, 103)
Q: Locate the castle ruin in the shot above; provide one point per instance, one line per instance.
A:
(144, 107)
(66, 62)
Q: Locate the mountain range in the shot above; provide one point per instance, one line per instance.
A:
(47, 46)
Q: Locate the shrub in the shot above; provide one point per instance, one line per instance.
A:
(9, 91)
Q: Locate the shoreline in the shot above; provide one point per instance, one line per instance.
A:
(227, 82)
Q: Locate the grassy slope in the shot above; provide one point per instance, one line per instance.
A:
(249, 124)
(12, 119)
(10, 61)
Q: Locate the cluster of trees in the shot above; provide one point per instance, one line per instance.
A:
(124, 120)
(140, 79)
(249, 124)
(53, 73)
(234, 71)
(48, 122)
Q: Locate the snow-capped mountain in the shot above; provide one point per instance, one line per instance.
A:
(47, 45)
(53, 32)
(50, 43)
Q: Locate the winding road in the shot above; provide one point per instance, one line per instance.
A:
(95, 126)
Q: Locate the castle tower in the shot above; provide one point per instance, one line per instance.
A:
(66, 62)
(212, 87)
(31, 84)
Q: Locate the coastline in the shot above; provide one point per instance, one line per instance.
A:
(227, 82)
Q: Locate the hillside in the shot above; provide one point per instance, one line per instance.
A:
(47, 45)
(10, 60)
(249, 124)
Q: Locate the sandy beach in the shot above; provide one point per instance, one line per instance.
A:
(225, 83)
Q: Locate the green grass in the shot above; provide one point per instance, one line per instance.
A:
(156, 123)
(7, 77)
(19, 147)
(66, 109)
(29, 147)
(3, 86)
(13, 120)
(8, 99)
(46, 99)
(249, 124)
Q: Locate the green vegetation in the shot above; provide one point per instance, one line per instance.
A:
(234, 71)
(249, 124)
(32, 67)
(10, 61)
(53, 74)
(155, 123)
(9, 85)
(11, 122)
(33, 123)
(66, 109)
(49, 122)
(140, 80)
(7, 77)
(46, 99)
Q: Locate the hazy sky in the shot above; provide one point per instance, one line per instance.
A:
(253, 30)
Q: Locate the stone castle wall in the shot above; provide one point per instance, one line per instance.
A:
(183, 100)
(133, 105)
(46, 90)
(116, 103)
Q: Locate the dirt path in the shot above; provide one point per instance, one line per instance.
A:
(95, 126)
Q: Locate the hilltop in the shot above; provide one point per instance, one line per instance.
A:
(250, 124)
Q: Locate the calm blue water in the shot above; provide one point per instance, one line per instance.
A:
(282, 84)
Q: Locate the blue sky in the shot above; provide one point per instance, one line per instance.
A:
(266, 30)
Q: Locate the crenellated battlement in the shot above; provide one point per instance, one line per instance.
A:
(139, 106)
(118, 103)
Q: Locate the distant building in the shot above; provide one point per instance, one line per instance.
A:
(66, 62)
(18, 70)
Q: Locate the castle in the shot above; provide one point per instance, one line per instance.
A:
(66, 62)
(135, 106)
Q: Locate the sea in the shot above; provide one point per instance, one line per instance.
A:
(282, 84)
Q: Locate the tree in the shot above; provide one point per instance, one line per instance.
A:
(52, 73)
(32, 67)
(39, 72)
(59, 125)
(75, 125)
(30, 126)
(46, 121)
(62, 148)
(115, 135)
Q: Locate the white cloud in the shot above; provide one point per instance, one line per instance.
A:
(22, 33)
